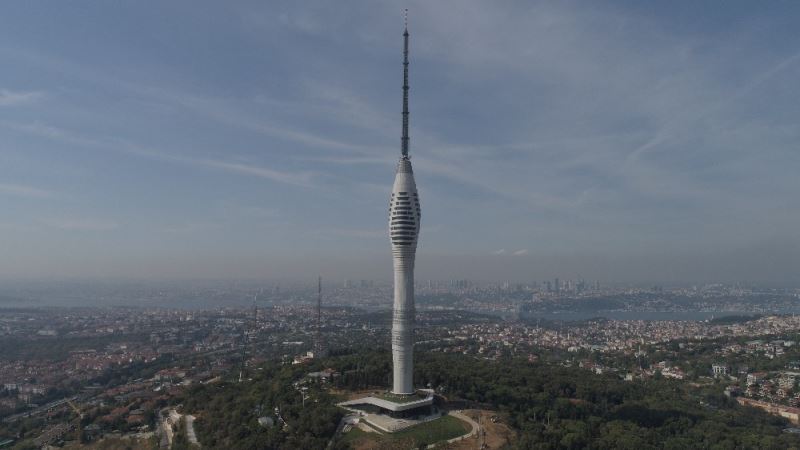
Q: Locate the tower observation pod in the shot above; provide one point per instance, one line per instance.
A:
(404, 225)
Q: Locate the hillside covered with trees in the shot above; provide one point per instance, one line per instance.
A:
(551, 406)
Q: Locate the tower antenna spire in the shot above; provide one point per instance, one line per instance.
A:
(404, 139)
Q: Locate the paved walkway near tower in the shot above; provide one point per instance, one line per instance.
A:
(492, 432)
(465, 418)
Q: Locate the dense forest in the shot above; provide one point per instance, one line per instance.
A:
(551, 406)
(228, 412)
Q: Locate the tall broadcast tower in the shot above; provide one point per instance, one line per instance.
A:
(320, 349)
(404, 222)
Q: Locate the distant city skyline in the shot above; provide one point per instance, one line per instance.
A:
(603, 141)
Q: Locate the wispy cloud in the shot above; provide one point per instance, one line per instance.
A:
(684, 122)
(294, 178)
(190, 227)
(229, 114)
(50, 132)
(25, 191)
(502, 251)
(13, 98)
(357, 233)
(258, 211)
(82, 224)
(303, 178)
(218, 109)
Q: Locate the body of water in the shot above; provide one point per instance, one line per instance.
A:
(649, 315)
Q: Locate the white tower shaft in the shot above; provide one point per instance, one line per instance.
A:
(404, 224)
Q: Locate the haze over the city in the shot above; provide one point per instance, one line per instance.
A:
(593, 140)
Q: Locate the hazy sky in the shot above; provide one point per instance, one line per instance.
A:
(622, 140)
